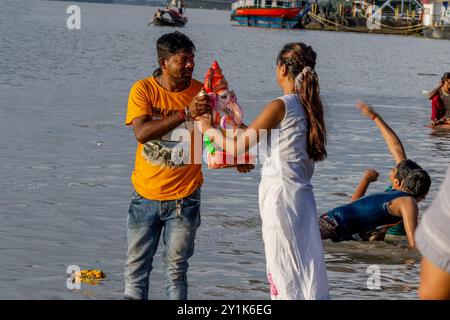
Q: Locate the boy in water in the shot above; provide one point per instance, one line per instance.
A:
(404, 168)
(367, 218)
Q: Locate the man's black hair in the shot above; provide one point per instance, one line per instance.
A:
(404, 168)
(417, 183)
(172, 43)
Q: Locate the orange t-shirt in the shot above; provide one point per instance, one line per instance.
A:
(154, 176)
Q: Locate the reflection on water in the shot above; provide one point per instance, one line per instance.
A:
(66, 157)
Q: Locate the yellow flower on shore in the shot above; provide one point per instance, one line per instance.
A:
(89, 276)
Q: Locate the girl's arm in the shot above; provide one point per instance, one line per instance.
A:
(243, 139)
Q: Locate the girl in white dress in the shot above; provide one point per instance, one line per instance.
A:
(293, 247)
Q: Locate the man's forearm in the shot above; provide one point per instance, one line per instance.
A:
(154, 129)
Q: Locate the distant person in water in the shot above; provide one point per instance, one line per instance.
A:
(368, 217)
(440, 101)
(181, 6)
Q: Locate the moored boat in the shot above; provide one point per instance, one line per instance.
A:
(269, 13)
(172, 16)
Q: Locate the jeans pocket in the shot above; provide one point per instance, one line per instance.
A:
(142, 212)
(191, 207)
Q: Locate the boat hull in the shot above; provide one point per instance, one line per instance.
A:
(283, 18)
(268, 22)
(169, 23)
(286, 13)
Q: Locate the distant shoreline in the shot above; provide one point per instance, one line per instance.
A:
(200, 4)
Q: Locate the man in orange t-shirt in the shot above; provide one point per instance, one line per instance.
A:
(167, 176)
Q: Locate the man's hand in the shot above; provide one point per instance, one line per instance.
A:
(366, 110)
(204, 122)
(199, 105)
(371, 175)
(244, 168)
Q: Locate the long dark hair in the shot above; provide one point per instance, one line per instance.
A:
(296, 57)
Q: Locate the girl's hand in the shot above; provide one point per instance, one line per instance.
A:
(366, 110)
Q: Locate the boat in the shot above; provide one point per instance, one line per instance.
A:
(172, 15)
(269, 13)
(169, 17)
(377, 16)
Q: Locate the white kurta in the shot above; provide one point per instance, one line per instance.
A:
(293, 247)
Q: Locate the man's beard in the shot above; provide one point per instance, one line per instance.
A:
(184, 78)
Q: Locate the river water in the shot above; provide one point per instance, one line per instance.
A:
(66, 155)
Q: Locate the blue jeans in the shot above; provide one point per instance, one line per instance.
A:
(178, 221)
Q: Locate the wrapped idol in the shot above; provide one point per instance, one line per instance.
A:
(226, 114)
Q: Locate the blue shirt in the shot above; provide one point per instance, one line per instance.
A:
(398, 229)
(366, 213)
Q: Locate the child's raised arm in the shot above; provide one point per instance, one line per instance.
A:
(393, 142)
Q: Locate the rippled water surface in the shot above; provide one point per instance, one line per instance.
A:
(66, 156)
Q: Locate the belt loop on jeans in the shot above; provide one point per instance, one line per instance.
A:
(178, 204)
